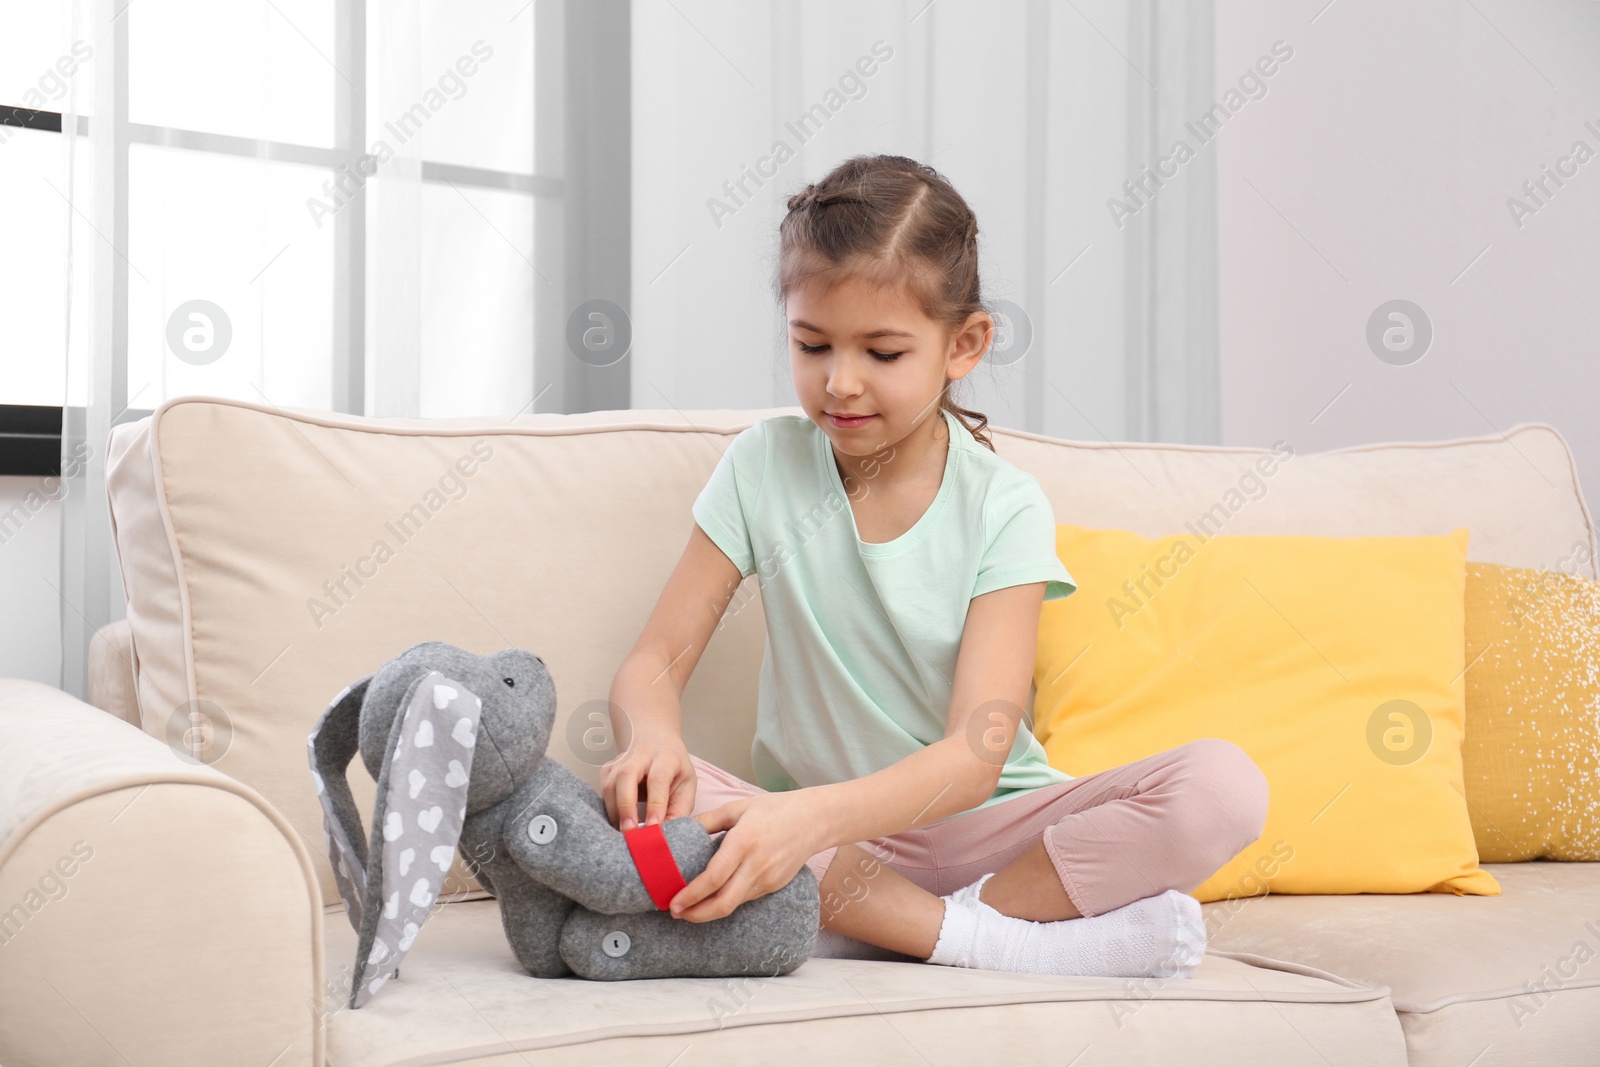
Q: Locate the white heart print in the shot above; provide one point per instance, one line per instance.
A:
(401, 826)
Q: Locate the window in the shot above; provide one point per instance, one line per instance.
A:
(252, 130)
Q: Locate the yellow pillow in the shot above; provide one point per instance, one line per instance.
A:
(1531, 757)
(1334, 662)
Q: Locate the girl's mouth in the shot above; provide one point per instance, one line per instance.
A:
(846, 424)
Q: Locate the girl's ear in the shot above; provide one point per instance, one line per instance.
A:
(971, 340)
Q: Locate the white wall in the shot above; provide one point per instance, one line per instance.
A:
(30, 554)
(1378, 167)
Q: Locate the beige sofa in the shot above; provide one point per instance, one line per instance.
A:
(170, 899)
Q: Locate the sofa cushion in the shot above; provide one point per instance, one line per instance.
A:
(234, 521)
(272, 558)
(460, 997)
(1517, 492)
(1334, 662)
(1490, 981)
(1531, 757)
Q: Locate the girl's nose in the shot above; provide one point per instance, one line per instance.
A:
(842, 382)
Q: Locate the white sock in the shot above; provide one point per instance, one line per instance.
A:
(1163, 936)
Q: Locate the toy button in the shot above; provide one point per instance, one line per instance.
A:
(616, 944)
(542, 830)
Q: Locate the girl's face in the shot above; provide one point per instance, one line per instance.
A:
(861, 350)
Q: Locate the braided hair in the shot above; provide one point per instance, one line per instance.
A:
(892, 220)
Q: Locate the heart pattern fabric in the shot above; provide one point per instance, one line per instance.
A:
(425, 808)
(417, 824)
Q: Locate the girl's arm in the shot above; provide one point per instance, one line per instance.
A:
(994, 670)
(649, 685)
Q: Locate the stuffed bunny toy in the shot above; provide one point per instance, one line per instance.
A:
(456, 743)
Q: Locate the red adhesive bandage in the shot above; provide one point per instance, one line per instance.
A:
(653, 857)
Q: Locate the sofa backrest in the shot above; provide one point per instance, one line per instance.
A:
(271, 557)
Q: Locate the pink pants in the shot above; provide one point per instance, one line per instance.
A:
(1168, 821)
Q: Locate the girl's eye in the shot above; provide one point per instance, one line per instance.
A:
(885, 357)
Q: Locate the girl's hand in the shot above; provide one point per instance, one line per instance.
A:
(770, 837)
(664, 767)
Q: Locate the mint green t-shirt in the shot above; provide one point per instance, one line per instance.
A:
(862, 638)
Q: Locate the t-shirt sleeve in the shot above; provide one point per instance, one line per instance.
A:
(1020, 540)
(726, 506)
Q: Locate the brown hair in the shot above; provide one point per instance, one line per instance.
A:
(894, 222)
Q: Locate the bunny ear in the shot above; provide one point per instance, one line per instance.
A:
(332, 744)
(421, 806)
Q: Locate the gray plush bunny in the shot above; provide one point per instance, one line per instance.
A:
(456, 743)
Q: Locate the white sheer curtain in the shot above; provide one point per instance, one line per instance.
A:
(1037, 112)
(296, 203)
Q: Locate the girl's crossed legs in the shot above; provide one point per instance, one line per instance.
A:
(1084, 847)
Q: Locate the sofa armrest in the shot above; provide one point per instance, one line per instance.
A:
(152, 909)
(112, 685)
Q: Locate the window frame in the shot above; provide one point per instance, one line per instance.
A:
(30, 434)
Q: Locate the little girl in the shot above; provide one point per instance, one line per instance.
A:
(902, 567)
